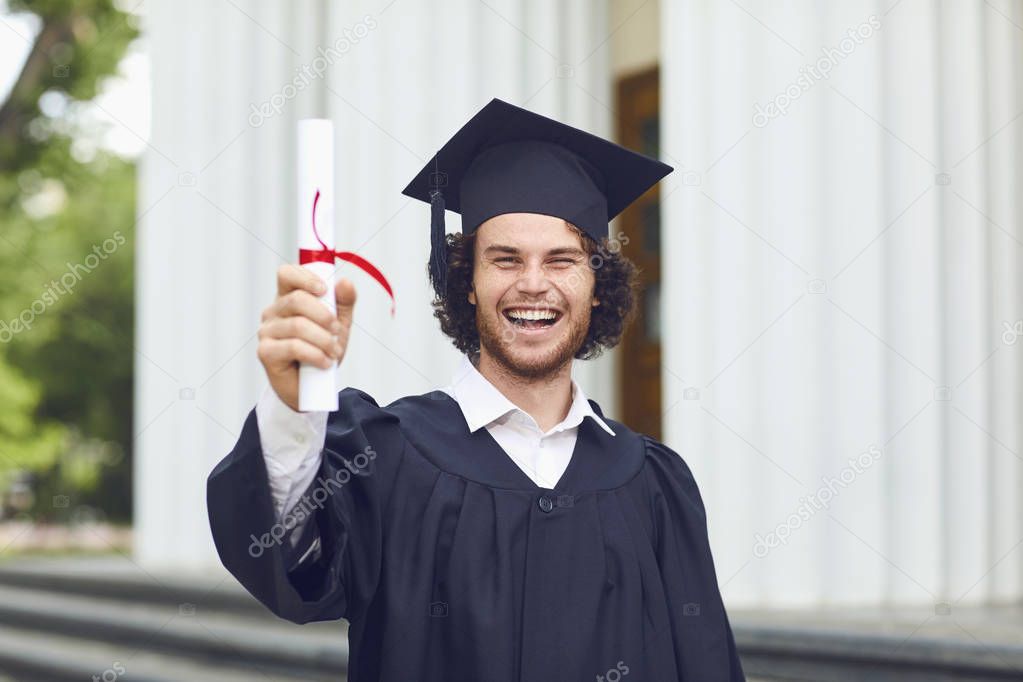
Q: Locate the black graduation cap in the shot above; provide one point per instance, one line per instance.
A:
(507, 159)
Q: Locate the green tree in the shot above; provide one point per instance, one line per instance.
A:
(68, 349)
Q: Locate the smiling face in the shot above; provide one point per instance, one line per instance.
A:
(532, 288)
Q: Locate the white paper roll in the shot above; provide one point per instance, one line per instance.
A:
(316, 388)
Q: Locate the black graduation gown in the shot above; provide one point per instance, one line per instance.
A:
(452, 565)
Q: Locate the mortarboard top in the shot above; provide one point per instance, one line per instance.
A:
(507, 159)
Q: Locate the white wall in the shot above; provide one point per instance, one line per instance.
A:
(635, 36)
(828, 275)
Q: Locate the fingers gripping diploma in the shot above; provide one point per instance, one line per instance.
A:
(298, 328)
(316, 388)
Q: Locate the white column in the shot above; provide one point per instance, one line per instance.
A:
(1005, 503)
(837, 278)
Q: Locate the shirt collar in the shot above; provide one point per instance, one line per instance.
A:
(482, 404)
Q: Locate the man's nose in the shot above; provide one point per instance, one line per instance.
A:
(533, 279)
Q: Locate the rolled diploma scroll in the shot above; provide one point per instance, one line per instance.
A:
(316, 388)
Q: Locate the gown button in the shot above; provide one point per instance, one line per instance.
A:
(545, 504)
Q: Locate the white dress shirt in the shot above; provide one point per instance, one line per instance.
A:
(293, 441)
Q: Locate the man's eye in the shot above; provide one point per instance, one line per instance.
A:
(561, 262)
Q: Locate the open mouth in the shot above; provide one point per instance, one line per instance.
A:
(532, 318)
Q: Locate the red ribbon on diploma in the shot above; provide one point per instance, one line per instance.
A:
(328, 255)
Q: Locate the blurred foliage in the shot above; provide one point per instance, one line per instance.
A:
(80, 42)
(66, 272)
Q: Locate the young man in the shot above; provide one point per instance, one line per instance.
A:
(501, 529)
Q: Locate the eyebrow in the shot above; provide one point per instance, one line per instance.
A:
(561, 250)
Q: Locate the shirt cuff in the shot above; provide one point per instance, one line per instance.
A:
(288, 436)
(292, 443)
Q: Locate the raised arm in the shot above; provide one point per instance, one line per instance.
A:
(270, 535)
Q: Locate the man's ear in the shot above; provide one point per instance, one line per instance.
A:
(472, 296)
(595, 303)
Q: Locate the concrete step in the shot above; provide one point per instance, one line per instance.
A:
(184, 632)
(119, 578)
(27, 655)
(976, 644)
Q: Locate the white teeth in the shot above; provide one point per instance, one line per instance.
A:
(532, 314)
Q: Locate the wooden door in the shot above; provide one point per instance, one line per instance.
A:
(639, 378)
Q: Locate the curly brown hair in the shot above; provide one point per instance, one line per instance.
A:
(616, 287)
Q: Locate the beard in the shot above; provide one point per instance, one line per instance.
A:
(497, 340)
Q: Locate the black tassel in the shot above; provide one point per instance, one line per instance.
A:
(438, 244)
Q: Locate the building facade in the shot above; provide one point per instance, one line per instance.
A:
(828, 327)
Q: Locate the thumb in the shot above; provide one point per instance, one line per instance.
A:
(344, 296)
